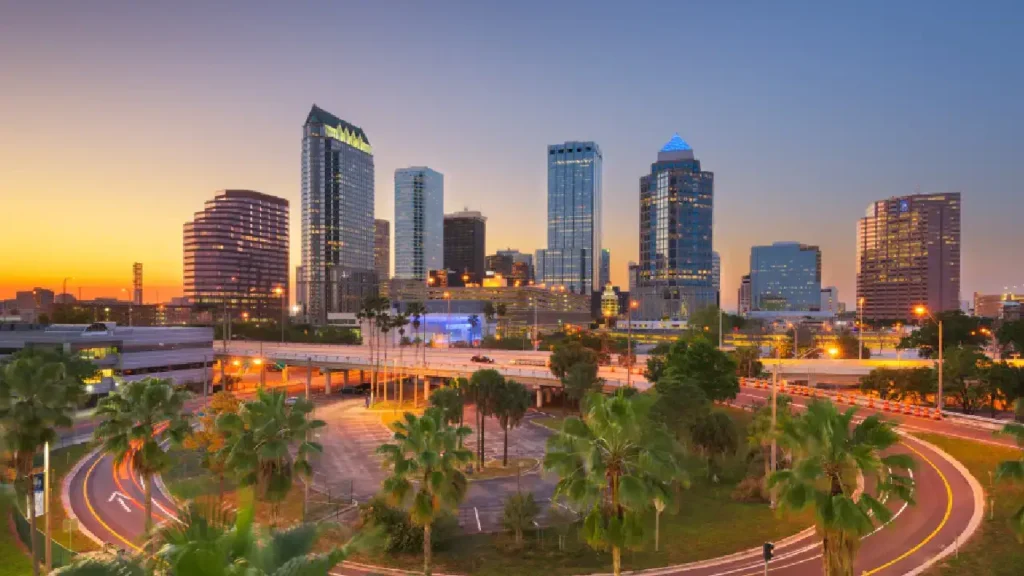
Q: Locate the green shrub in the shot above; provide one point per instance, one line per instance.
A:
(399, 534)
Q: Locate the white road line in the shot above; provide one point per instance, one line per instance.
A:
(479, 528)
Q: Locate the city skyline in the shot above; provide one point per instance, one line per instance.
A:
(892, 108)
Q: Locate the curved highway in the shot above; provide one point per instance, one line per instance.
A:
(107, 500)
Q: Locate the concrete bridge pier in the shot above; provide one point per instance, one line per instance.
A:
(344, 378)
(540, 398)
(327, 381)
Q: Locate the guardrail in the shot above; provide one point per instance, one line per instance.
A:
(891, 406)
(300, 358)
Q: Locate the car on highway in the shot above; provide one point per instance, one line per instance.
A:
(482, 359)
(291, 400)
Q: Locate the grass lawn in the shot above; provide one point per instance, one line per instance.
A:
(15, 562)
(708, 523)
(994, 550)
(494, 469)
(188, 480)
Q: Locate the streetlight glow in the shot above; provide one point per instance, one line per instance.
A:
(833, 351)
(920, 310)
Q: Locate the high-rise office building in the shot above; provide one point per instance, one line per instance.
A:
(743, 298)
(382, 249)
(716, 276)
(634, 276)
(676, 216)
(908, 255)
(572, 258)
(785, 276)
(236, 255)
(337, 270)
(520, 258)
(137, 283)
(830, 300)
(419, 222)
(606, 267)
(465, 239)
(500, 264)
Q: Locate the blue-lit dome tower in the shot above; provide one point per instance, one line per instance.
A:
(676, 218)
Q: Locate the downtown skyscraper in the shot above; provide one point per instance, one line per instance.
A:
(419, 222)
(908, 255)
(337, 269)
(572, 259)
(465, 239)
(236, 255)
(676, 276)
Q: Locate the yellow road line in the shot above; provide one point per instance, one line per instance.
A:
(88, 504)
(945, 517)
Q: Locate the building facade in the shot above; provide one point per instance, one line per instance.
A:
(419, 222)
(465, 239)
(572, 258)
(908, 254)
(137, 283)
(785, 276)
(743, 297)
(499, 264)
(830, 300)
(716, 276)
(676, 216)
(382, 249)
(236, 255)
(526, 260)
(338, 268)
(605, 276)
(634, 276)
(122, 354)
(1004, 306)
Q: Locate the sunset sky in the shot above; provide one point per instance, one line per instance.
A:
(118, 120)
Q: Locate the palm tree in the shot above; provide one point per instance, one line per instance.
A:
(138, 420)
(828, 454)
(1014, 470)
(483, 388)
(613, 464)
(474, 323)
(260, 440)
(510, 405)
(39, 392)
(368, 312)
(760, 431)
(500, 310)
(448, 401)
(424, 463)
(209, 541)
(385, 322)
(489, 312)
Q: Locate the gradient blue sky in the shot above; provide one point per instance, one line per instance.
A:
(120, 119)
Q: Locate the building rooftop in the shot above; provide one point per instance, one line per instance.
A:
(318, 115)
(675, 144)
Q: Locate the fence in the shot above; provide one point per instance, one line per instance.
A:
(61, 555)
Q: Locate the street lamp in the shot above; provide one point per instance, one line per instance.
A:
(922, 311)
(629, 344)
(447, 330)
(279, 291)
(860, 328)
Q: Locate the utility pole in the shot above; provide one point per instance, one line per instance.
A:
(775, 380)
(860, 328)
(46, 506)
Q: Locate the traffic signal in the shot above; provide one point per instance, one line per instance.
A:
(766, 551)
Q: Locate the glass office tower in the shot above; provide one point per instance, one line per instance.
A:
(419, 222)
(337, 269)
(676, 216)
(785, 276)
(572, 258)
(908, 254)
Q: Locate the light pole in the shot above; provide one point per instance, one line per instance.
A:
(860, 328)
(447, 323)
(922, 311)
(629, 344)
(280, 293)
(721, 313)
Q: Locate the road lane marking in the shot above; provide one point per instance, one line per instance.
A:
(945, 517)
(477, 512)
(120, 500)
(88, 504)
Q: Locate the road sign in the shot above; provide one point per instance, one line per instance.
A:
(37, 492)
